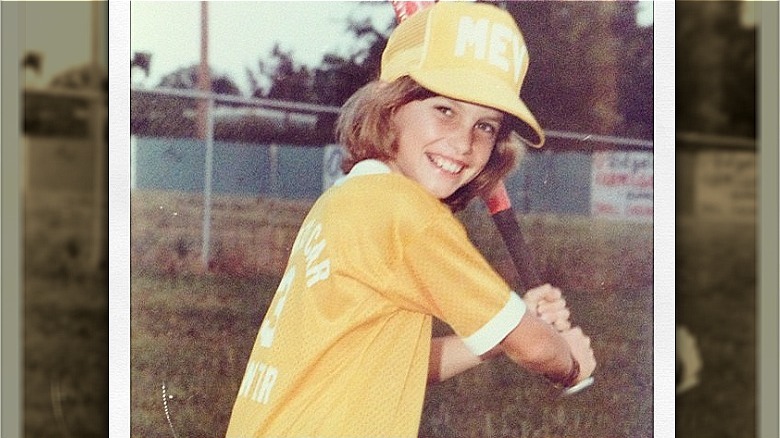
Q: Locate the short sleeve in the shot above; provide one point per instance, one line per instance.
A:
(446, 276)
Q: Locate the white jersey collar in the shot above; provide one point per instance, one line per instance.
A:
(365, 167)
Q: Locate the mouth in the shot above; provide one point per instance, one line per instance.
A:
(445, 164)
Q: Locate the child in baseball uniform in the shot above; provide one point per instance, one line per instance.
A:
(346, 348)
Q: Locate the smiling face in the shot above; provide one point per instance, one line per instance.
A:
(443, 143)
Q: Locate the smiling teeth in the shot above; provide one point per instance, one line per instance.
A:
(447, 165)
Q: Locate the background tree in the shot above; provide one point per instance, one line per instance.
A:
(172, 116)
(80, 77)
(715, 64)
(332, 82)
(186, 78)
(289, 80)
(591, 68)
(635, 83)
(337, 78)
(580, 66)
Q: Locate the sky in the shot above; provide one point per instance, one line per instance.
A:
(68, 40)
(241, 33)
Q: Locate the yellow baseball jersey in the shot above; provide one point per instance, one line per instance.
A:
(343, 350)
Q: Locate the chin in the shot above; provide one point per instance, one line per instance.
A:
(441, 194)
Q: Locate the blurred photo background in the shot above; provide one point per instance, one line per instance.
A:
(716, 104)
(203, 247)
(232, 141)
(63, 51)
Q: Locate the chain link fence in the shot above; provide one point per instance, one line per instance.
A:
(255, 151)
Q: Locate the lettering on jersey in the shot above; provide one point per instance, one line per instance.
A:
(259, 379)
(309, 240)
(316, 269)
(268, 328)
(495, 43)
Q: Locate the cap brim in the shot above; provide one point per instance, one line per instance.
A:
(459, 84)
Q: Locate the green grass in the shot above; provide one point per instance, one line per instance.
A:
(65, 335)
(195, 334)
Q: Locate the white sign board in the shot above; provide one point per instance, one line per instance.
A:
(622, 185)
(725, 185)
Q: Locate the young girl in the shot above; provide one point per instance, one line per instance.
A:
(345, 348)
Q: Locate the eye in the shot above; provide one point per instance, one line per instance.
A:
(488, 128)
(445, 110)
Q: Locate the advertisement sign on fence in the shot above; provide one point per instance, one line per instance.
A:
(622, 185)
(331, 165)
(725, 185)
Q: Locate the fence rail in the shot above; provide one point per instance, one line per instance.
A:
(578, 173)
(238, 106)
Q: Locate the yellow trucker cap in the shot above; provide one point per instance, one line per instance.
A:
(467, 51)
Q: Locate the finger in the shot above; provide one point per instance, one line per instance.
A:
(561, 325)
(544, 292)
(554, 307)
(552, 317)
(574, 332)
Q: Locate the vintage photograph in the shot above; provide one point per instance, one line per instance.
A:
(392, 218)
(406, 218)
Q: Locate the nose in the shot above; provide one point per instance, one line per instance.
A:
(461, 140)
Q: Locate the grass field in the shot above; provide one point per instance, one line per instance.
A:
(66, 357)
(193, 333)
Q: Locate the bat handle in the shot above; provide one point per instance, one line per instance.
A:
(578, 387)
(500, 207)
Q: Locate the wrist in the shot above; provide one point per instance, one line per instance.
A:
(569, 379)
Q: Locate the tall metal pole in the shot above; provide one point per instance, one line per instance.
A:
(205, 132)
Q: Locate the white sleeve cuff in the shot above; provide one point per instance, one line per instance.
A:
(492, 333)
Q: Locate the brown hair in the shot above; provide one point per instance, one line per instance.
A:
(365, 128)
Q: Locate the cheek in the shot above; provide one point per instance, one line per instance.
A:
(482, 156)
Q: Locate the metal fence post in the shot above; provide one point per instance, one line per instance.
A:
(207, 181)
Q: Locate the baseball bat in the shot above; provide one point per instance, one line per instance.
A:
(499, 206)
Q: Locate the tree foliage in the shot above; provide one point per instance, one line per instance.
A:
(288, 79)
(80, 78)
(715, 64)
(186, 78)
(330, 83)
(591, 68)
(337, 78)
